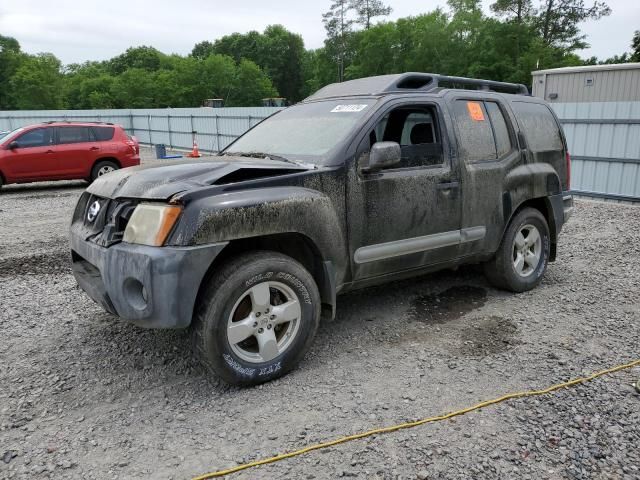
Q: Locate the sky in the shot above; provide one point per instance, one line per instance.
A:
(80, 30)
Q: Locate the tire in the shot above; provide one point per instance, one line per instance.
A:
(521, 259)
(233, 336)
(102, 168)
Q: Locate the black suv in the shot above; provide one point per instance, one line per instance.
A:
(364, 182)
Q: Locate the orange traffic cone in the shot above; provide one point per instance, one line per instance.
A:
(195, 153)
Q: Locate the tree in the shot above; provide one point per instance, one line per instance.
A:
(37, 83)
(635, 46)
(250, 85)
(134, 88)
(10, 57)
(558, 21)
(202, 50)
(281, 55)
(368, 9)
(516, 10)
(339, 27)
(146, 58)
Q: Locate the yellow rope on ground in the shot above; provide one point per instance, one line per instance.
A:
(394, 428)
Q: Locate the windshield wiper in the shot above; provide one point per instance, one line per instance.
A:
(267, 156)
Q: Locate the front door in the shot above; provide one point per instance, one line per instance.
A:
(407, 216)
(34, 158)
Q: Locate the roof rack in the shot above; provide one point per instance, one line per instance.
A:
(413, 81)
(49, 122)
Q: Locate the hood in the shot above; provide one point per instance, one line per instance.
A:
(163, 180)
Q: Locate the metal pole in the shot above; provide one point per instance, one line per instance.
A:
(132, 128)
(149, 128)
(10, 123)
(169, 127)
(191, 122)
(217, 135)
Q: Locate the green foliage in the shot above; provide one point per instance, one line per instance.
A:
(635, 46)
(10, 57)
(277, 51)
(558, 21)
(251, 85)
(37, 83)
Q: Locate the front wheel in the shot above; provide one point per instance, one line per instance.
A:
(523, 255)
(256, 318)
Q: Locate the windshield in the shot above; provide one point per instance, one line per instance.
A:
(5, 135)
(305, 132)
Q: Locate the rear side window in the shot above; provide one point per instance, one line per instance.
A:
(500, 129)
(475, 137)
(73, 135)
(103, 134)
(539, 126)
(38, 137)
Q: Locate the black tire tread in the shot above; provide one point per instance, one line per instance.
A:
(223, 274)
(496, 269)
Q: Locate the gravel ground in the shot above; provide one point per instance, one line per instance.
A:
(83, 395)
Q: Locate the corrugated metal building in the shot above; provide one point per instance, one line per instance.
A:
(599, 107)
(592, 83)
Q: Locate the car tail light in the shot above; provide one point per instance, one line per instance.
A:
(568, 171)
(133, 143)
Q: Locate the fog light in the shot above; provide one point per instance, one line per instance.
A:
(135, 293)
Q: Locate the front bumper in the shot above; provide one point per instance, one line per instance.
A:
(154, 287)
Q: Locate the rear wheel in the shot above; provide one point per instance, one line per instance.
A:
(256, 318)
(523, 255)
(102, 168)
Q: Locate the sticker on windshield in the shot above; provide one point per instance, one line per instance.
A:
(348, 108)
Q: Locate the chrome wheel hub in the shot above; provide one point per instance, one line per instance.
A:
(527, 250)
(104, 170)
(264, 322)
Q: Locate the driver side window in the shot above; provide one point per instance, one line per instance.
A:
(39, 137)
(417, 131)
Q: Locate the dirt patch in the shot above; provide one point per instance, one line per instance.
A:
(447, 305)
(488, 336)
(54, 263)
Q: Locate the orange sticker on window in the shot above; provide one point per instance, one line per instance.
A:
(475, 111)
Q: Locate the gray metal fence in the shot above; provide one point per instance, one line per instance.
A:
(604, 138)
(604, 141)
(215, 127)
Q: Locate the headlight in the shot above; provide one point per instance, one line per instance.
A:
(151, 224)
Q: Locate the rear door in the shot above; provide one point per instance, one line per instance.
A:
(544, 136)
(488, 151)
(77, 149)
(35, 158)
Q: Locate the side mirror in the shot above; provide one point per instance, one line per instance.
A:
(383, 155)
(12, 145)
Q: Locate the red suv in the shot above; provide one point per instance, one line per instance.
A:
(65, 151)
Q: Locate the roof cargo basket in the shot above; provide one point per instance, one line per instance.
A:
(413, 81)
(430, 81)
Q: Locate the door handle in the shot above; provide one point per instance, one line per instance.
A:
(49, 151)
(447, 185)
(94, 148)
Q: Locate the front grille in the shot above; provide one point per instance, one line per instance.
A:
(106, 227)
